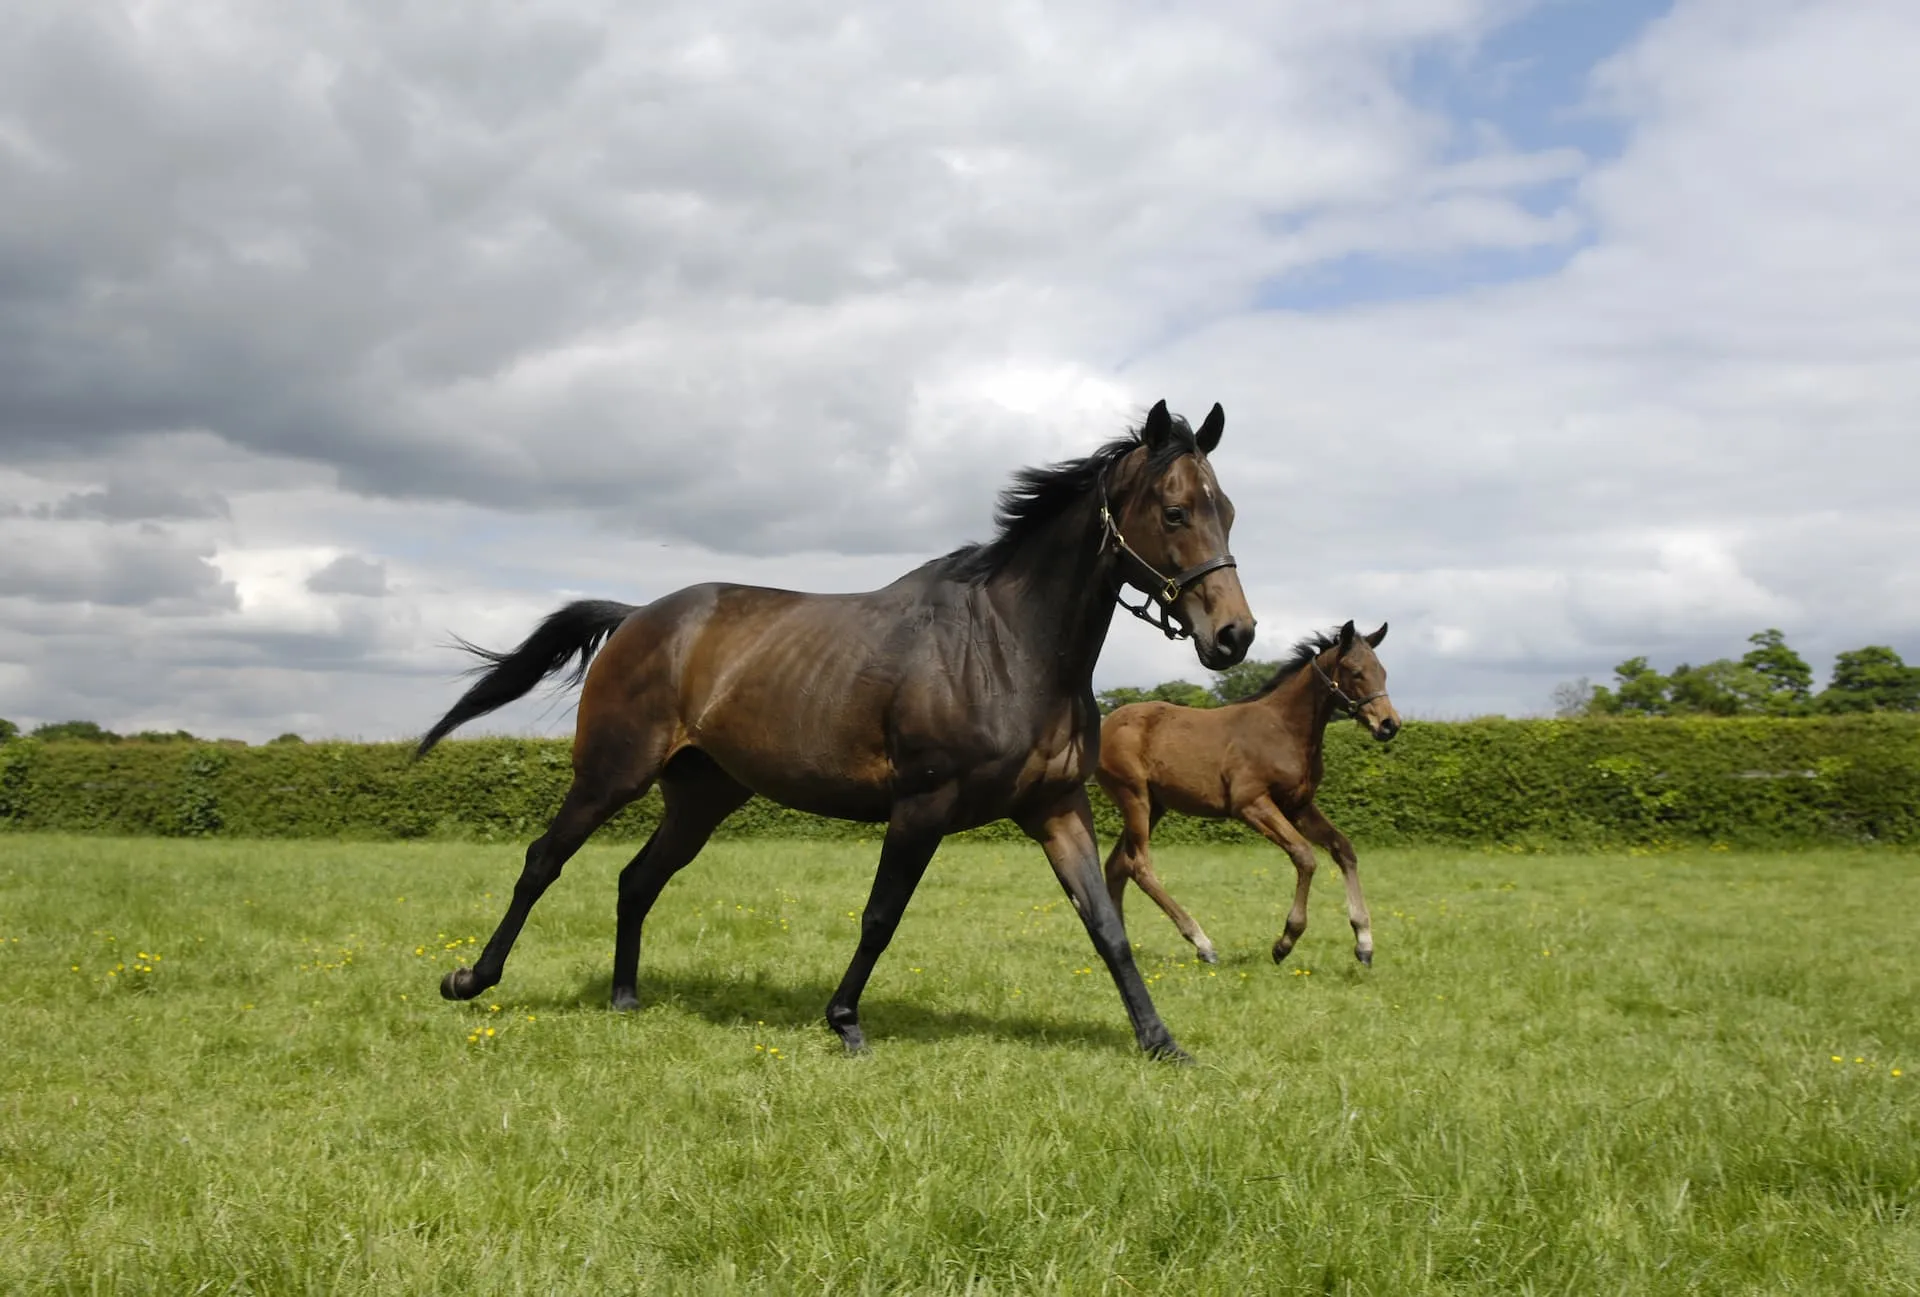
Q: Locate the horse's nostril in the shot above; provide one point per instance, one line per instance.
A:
(1234, 637)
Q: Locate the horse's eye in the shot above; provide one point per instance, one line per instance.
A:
(1176, 516)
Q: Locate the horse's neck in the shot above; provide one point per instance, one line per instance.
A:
(1304, 705)
(1056, 595)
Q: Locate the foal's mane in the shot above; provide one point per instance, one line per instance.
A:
(1037, 496)
(1303, 652)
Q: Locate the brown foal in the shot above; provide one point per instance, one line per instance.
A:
(1257, 760)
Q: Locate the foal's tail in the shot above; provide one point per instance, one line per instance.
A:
(577, 629)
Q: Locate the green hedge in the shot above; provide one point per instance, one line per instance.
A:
(1599, 782)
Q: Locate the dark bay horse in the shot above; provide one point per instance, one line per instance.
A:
(1258, 760)
(958, 695)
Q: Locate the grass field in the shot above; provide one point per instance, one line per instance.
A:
(227, 1069)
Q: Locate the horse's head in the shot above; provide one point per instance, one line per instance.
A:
(1169, 521)
(1359, 682)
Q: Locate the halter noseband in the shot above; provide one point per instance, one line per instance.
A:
(1345, 705)
(1169, 589)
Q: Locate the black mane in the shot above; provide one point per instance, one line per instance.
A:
(1305, 651)
(1039, 495)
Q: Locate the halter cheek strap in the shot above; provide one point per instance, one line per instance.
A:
(1167, 589)
(1346, 705)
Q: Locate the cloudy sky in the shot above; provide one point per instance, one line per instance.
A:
(1552, 332)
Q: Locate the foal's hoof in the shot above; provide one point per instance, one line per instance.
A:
(1207, 953)
(1364, 956)
(459, 985)
(1280, 951)
(1170, 1053)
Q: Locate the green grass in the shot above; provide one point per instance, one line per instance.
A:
(1578, 1074)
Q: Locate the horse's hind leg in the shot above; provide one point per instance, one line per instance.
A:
(904, 855)
(699, 795)
(1319, 829)
(1265, 817)
(590, 802)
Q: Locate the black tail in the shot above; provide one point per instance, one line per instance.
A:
(579, 628)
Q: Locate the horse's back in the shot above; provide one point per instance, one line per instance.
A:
(1204, 761)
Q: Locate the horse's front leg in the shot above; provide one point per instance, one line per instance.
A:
(1065, 832)
(1319, 829)
(1265, 817)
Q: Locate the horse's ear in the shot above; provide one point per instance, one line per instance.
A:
(1209, 435)
(1346, 637)
(1373, 640)
(1158, 427)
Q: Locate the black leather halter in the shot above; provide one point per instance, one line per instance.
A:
(1346, 705)
(1168, 588)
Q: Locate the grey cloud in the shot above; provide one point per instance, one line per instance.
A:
(545, 262)
(146, 569)
(350, 574)
(122, 501)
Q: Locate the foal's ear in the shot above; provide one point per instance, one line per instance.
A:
(1346, 637)
(1209, 435)
(1374, 639)
(1158, 427)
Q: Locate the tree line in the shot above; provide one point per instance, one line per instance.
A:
(1770, 679)
(94, 732)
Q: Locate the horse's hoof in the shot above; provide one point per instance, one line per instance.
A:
(1207, 954)
(624, 1002)
(1169, 1053)
(458, 985)
(1280, 952)
(1364, 956)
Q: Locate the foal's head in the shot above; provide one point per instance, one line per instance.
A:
(1360, 682)
(1175, 518)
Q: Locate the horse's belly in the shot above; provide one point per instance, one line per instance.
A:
(819, 779)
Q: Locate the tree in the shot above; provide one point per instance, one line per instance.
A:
(162, 736)
(8, 730)
(1641, 691)
(288, 737)
(84, 731)
(1183, 692)
(1722, 687)
(1787, 677)
(1572, 698)
(1871, 679)
(1242, 680)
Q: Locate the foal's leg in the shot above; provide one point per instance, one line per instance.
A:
(1065, 831)
(1319, 829)
(1132, 857)
(904, 855)
(1265, 817)
(696, 804)
(1139, 866)
(589, 803)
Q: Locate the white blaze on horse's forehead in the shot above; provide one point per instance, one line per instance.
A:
(1207, 479)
